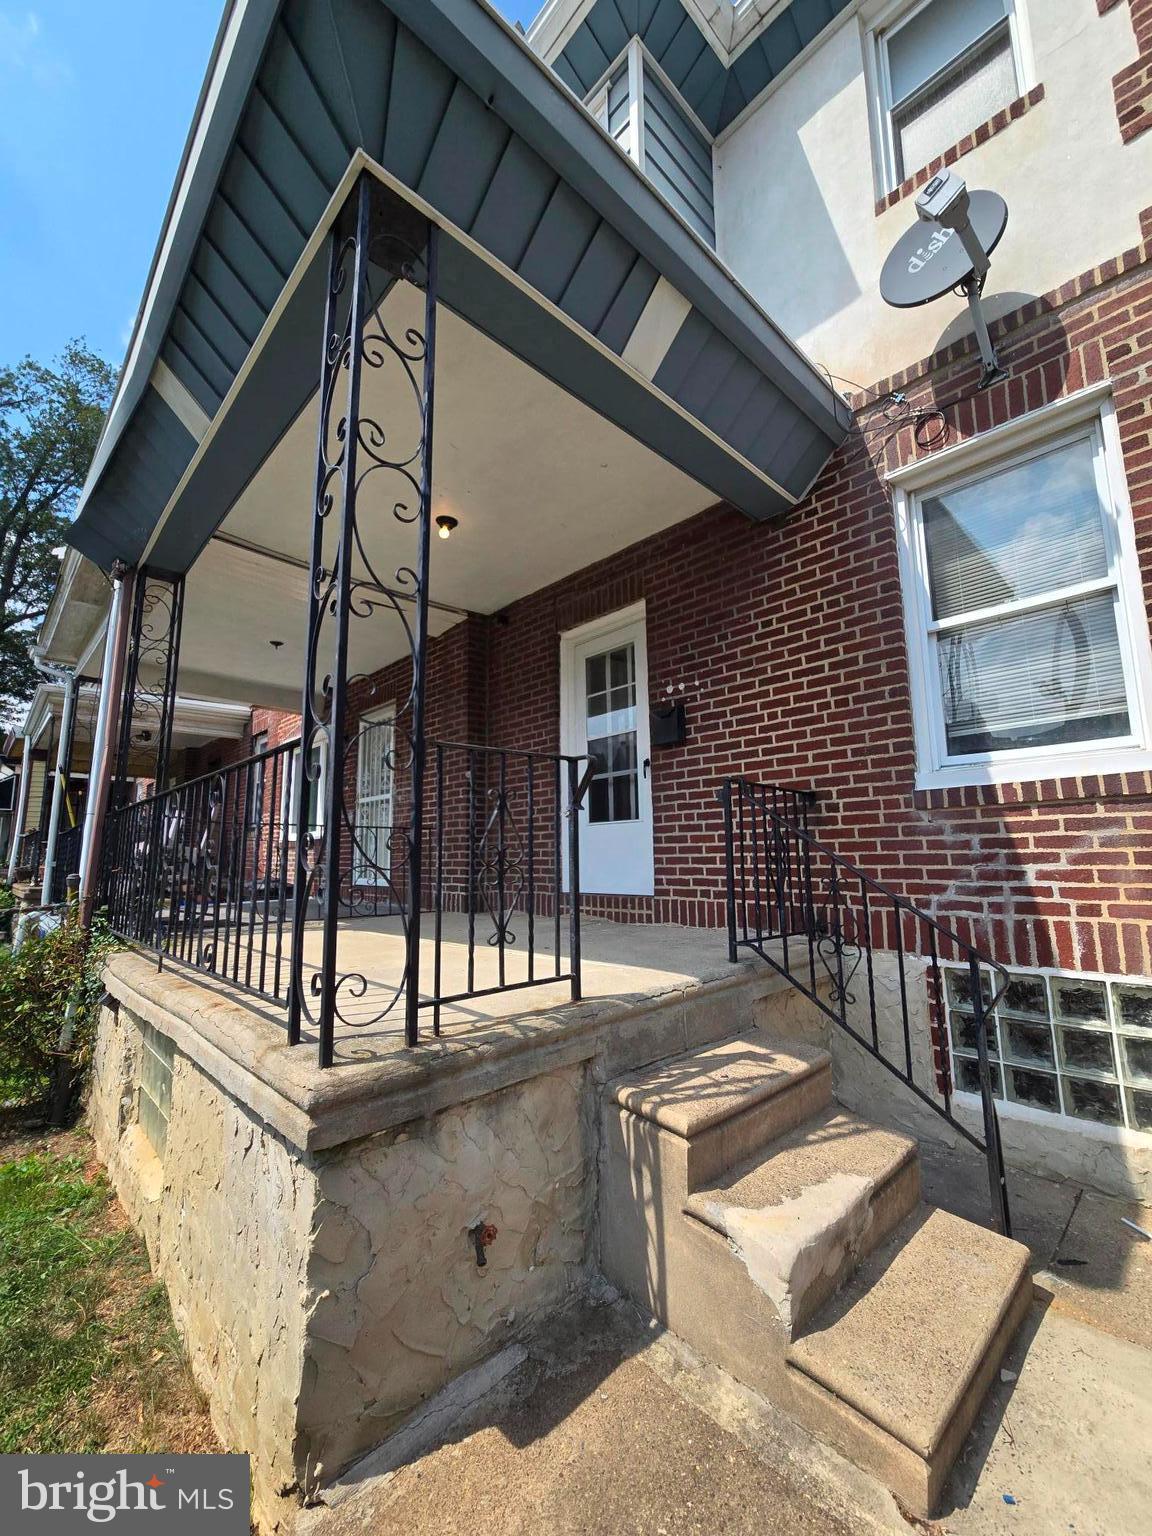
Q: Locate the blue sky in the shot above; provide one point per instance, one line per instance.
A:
(96, 97)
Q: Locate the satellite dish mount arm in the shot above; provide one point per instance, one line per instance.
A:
(945, 201)
(993, 373)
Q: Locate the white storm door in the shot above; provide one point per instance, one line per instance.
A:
(604, 677)
(374, 804)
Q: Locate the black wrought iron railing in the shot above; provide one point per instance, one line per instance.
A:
(202, 873)
(30, 852)
(866, 957)
(205, 875)
(504, 825)
(67, 861)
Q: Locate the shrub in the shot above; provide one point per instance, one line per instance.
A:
(37, 981)
(7, 898)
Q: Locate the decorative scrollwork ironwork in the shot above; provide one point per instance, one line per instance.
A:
(381, 246)
(498, 851)
(149, 701)
(840, 942)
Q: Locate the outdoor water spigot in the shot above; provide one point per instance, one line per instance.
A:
(483, 1235)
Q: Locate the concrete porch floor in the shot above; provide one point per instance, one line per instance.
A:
(622, 962)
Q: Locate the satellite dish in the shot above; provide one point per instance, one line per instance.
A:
(948, 248)
(929, 260)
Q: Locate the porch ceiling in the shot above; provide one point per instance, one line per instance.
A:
(554, 244)
(541, 486)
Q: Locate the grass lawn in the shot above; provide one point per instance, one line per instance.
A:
(89, 1358)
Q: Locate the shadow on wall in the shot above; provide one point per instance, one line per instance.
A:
(996, 307)
(801, 272)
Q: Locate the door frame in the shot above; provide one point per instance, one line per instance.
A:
(635, 614)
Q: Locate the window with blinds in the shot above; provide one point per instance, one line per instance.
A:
(1023, 596)
(944, 68)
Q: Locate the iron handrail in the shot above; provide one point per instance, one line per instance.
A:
(797, 888)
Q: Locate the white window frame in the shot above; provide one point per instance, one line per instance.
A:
(1089, 412)
(290, 791)
(881, 22)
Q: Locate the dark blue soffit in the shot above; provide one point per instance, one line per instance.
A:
(455, 106)
(717, 95)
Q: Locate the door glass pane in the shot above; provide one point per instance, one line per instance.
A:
(611, 725)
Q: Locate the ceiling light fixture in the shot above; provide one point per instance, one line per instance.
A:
(445, 526)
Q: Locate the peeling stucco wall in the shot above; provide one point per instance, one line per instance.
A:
(226, 1214)
(398, 1303)
(323, 1296)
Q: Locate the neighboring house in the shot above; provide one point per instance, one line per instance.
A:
(710, 512)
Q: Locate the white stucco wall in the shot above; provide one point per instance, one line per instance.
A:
(796, 192)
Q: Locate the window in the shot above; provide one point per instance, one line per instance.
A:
(315, 786)
(1026, 629)
(650, 121)
(943, 68)
(256, 777)
(375, 762)
(154, 1100)
(1065, 1044)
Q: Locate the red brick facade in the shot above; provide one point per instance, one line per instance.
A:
(1133, 84)
(786, 643)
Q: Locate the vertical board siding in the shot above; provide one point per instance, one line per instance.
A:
(620, 107)
(678, 158)
(717, 94)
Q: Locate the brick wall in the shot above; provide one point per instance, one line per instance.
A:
(785, 642)
(1133, 84)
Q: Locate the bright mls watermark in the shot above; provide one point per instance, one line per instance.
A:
(63, 1494)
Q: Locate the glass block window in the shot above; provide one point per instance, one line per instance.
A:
(1072, 1045)
(154, 1098)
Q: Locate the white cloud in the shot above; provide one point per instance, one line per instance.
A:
(24, 50)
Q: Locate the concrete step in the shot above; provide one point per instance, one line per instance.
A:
(801, 1213)
(895, 1368)
(728, 1100)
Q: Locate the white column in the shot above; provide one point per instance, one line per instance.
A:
(22, 807)
(60, 786)
(111, 682)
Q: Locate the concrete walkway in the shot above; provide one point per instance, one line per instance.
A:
(609, 1427)
(594, 1434)
(1066, 1433)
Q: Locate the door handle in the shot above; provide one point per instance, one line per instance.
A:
(647, 766)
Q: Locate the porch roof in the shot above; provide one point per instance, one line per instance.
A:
(555, 246)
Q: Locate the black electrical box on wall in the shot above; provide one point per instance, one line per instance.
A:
(666, 725)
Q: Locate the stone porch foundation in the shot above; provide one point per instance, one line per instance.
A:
(313, 1228)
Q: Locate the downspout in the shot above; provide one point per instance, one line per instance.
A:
(112, 679)
(22, 808)
(60, 787)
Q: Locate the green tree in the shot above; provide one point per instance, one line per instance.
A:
(50, 420)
